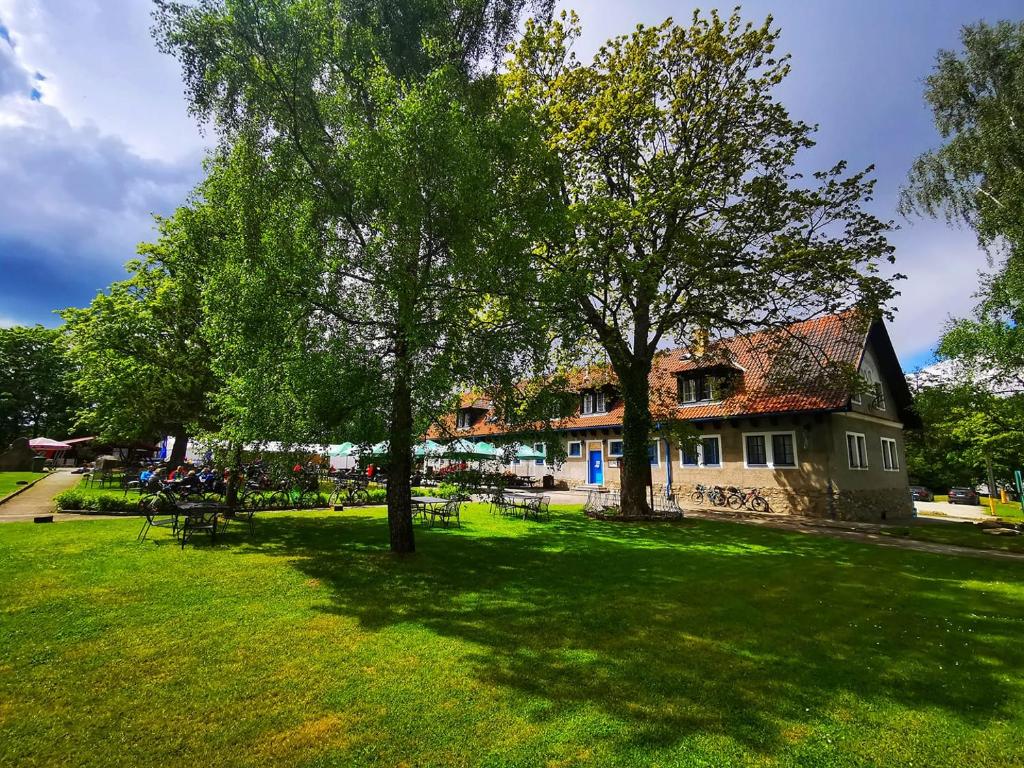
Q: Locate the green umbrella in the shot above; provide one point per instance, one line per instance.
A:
(471, 450)
(345, 449)
(428, 449)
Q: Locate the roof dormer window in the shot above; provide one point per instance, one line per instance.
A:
(700, 388)
(594, 402)
(464, 418)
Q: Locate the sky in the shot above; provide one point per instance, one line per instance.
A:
(96, 139)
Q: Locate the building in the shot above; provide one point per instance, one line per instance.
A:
(770, 414)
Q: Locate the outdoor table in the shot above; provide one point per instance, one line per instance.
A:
(197, 509)
(528, 479)
(523, 500)
(422, 504)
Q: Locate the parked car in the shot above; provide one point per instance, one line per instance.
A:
(963, 496)
(920, 493)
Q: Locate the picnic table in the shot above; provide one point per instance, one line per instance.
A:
(528, 480)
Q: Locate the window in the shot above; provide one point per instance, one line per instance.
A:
(615, 449)
(783, 452)
(594, 402)
(711, 451)
(540, 448)
(653, 453)
(688, 459)
(890, 459)
(857, 450)
(464, 419)
(757, 455)
(575, 449)
(698, 389)
(774, 450)
(879, 401)
(708, 453)
(856, 399)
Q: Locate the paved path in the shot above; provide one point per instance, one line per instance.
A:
(952, 511)
(38, 500)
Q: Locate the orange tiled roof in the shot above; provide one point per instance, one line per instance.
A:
(765, 360)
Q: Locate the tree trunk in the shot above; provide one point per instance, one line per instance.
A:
(234, 477)
(636, 434)
(399, 494)
(177, 457)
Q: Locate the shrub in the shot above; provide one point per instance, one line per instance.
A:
(76, 501)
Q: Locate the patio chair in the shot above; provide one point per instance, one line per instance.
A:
(497, 500)
(159, 512)
(199, 520)
(446, 514)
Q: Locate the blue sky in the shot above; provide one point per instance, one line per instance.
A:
(95, 137)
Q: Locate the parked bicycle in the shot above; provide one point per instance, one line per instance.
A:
(714, 494)
(750, 498)
(348, 490)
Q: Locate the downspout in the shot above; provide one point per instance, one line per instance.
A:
(668, 470)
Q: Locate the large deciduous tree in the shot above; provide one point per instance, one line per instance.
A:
(686, 211)
(399, 212)
(142, 364)
(36, 397)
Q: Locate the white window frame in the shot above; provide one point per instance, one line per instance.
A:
(690, 382)
(700, 454)
(595, 402)
(878, 402)
(464, 419)
(568, 449)
(769, 450)
(890, 455)
(849, 457)
(540, 448)
(611, 453)
(657, 452)
(856, 399)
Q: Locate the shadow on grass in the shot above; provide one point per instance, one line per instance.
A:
(677, 629)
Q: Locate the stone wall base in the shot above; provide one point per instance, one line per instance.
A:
(860, 505)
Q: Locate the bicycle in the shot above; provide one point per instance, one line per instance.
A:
(712, 493)
(750, 498)
(348, 491)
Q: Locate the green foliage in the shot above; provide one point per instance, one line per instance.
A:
(977, 99)
(685, 214)
(375, 209)
(36, 397)
(977, 177)
(964, 426)
(143, 366)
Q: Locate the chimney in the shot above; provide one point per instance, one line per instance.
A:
(700, 342)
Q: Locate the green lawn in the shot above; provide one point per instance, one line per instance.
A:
(505, 643)
(9, 481)
(960, 534)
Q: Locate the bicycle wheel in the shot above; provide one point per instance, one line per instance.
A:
(735, 501)
(697, 497)
(718, 498)
(360, 496)
(759, 504)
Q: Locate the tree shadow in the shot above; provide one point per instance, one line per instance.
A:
(677, 629)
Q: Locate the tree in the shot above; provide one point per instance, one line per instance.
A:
(36, 398)
(976, 177)
(965, 426)
(396, 213)
(687, 215)
(143, 365)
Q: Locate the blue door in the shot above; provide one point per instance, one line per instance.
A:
(595, 468)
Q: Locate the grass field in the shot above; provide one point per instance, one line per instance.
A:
(959, 534)
(9, 481)
(505, 643)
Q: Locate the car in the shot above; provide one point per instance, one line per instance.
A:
(963, 496)
(920, 493)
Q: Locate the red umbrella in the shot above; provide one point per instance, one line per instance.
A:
(46, 444)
